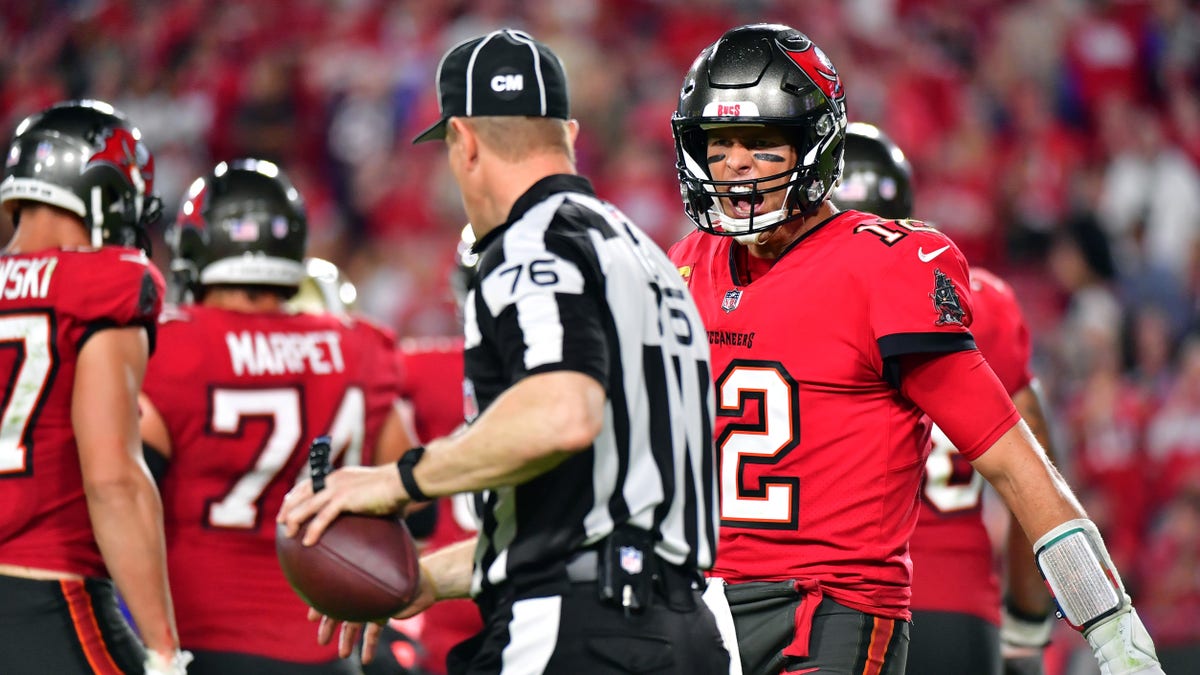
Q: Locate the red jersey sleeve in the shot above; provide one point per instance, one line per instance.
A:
(1000, 330)
(123, 288)
(919, 296)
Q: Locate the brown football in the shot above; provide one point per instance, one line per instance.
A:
(364, 568)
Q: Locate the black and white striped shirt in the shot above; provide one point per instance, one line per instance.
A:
(569, 283)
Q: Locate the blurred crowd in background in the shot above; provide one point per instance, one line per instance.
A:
(1057, 142)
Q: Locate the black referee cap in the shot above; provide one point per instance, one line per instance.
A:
(503, 73)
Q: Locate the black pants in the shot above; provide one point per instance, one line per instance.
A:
(64, 627)
(951, 643)
(843, 641)
(225, 663)
(577, 634)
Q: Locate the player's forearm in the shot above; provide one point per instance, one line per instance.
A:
(1025, 590)
(126, 517)
(527, 431)
(1030, 486)
(450, 569)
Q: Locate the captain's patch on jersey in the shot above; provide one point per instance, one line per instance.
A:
(945, 300)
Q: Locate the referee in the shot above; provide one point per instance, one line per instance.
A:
(587, 393)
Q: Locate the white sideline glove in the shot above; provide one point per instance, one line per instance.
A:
(1122, 646)
(157, 664)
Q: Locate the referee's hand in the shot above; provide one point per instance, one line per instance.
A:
(375, 491)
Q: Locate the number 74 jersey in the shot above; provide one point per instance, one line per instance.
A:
(242, 396)
(820, 456)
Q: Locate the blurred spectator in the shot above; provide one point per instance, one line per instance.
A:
(1150, 203)
(1173, 432)
(1082, 263)
(1103, 56)
(1169, 599)
(1038, 155)
(1152, 353)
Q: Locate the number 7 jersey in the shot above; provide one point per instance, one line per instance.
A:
(242, 396)
(51, 303)
(820, 456)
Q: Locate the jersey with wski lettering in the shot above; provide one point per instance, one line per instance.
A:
(953, 565)
(820, 456)
(431, 374)
(51, 303)
(242, 396)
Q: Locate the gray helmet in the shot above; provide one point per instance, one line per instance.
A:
(877, 178)
(242, 224)
(769, 75)
(87, 158)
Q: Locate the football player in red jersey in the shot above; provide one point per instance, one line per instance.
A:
(835, 337)
(79, 301)
(956, 604)
(431, 375)
(230, 404)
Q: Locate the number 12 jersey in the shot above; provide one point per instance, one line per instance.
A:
(820, 456)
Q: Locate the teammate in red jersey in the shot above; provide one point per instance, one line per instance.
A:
(835, 337)
(231, 402)
(78, 304)
(956, 602)
(431, 374)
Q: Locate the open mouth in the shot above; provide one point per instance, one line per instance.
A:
(743, 202)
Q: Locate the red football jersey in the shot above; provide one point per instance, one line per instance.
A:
(431, 379)
(431, 372)
(242, 396)
(50, 303)
(953, 566)
(820, 457)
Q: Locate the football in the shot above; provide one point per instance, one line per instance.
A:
(364, 568)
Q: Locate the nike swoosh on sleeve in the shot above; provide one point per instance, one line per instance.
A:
(926, 257)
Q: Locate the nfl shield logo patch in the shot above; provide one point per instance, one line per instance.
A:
(631, 560)
(732, 298)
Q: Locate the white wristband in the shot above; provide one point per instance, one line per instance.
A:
(1081, 576)
(1022, 632)
(157, 664)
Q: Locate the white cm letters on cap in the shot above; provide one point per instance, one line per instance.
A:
(508, 83)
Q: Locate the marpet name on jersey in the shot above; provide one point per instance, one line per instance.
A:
(729, 338)
(255, 353)
(26, 277)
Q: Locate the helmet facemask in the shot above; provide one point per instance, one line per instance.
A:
(707, 200)
(763, 75)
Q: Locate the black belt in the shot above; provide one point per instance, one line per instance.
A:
(676, 583)
(581, 567)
